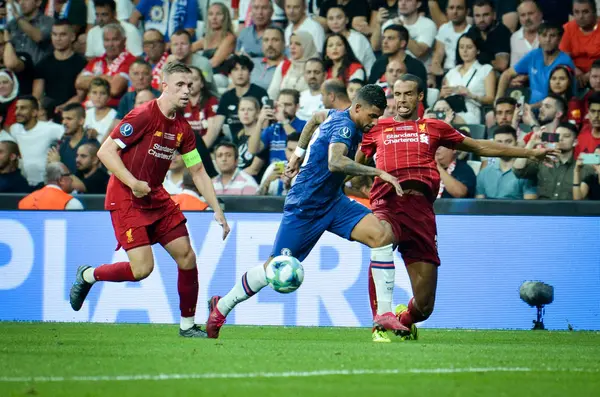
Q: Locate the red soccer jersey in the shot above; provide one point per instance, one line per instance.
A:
(118, 67)
(148, 141)
(198, 117)
(407, 149)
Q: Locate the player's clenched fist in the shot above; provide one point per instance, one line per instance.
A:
(140, 189)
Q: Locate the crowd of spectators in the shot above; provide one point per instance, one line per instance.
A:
(520, 72)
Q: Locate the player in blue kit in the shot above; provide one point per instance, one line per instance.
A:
(316, 202)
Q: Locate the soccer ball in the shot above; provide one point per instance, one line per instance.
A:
(285, 274)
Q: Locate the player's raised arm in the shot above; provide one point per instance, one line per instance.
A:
(487, 148)
(109, 156)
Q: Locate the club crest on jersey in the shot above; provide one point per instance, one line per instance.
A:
(126, 129)
(286, 252)
(179, 138)
(422, 128)
(345, 132)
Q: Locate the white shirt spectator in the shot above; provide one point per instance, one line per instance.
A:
(73, 204)
(34, 145)
(449, 38)
(361, 47)
(95, 41)
(475, 78)
(102, 125)
(124, 10)
(310, 26)
(520, 46)
(276, 187)
(5, 136)
(423, 31)
(309, 104)
(171, 186)
(241, 184)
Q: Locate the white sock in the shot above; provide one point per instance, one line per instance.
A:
(88, 275)
(186, 323)
(251, 282)
(384, 273)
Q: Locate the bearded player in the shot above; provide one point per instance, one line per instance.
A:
(316, 202)
(138, 154)
(405, 148)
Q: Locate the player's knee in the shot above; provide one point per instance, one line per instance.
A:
(187, 259)
(141, 271)
(379, 238)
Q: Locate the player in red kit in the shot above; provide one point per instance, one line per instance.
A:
(405, 148)
(138, 153)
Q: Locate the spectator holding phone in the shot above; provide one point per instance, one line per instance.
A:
(274, 181)
(586, 177)
(554, 181)
(275, 124)
(441, 110)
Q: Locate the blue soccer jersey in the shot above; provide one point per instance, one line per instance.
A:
(316, 188)
(316, 203)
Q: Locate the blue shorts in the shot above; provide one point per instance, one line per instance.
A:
(299, 234)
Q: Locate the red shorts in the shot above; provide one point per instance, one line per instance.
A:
(136, 227)
(413, 223)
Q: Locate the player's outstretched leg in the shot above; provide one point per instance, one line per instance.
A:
(251, 282)
(423, 278)
(379, 236)
(181, 251)
(140, 265)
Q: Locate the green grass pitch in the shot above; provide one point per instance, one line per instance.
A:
(55, 359)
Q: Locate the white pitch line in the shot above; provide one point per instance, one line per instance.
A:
(290, 374)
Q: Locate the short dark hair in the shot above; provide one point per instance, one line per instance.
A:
(63, 22)
(337, 87)
(75, 107)
(291, 92)
(537, 4)
(229, 145)
(175, 67)
(402, 31)
(545, 26)
(569, 126)
(561, 104)
(31, 99)
(596, 64)
(99, 82)
(415, 79)
(92, 147)
(357, 81)
(106, 3)
(293, 137)
(241, 60)
(594, 99)
(141, 61)
(505, 100)
(182, 32)
(371, 94)
(277, 28)
(483, 3)
(506, 129)
(592, 4)
(316, 60)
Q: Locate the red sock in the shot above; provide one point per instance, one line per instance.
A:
(412, 315)
(187, 286)
(120, 271)
(372, 293)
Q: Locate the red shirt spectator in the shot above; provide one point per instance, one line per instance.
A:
(117, 67)
(198, 115)
(581, 39)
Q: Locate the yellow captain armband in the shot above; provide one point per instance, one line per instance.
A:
(191, 158)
